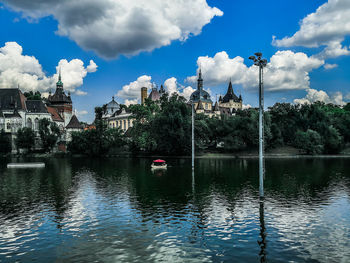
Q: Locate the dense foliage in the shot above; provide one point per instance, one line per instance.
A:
(165, 128)
(5, 142)
(96, 142)
(33, 96)
(25, 139)
(49, 134)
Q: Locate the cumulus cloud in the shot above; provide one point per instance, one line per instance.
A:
(81, 113)
(130, 102)
(285, 71)
(114, 27)
(172, 86)
(26, 71)
(330, 66)
(132, 90)
(320, 95)
(246, 106)
(328, 26)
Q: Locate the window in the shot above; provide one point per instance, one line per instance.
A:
(36, 124)
(29, 123)
(8, 126)
(206, 106)
(124, 124)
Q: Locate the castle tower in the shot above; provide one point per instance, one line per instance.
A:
(143, 95)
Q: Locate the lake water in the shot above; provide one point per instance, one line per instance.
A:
(117, 210)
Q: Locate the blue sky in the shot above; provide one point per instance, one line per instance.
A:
(244, 27)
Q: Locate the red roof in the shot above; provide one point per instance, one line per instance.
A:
(159, 161)
(54, 114)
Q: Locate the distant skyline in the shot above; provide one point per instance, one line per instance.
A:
(111, 48)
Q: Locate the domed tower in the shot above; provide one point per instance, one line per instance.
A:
(61, 102)
(200, 95)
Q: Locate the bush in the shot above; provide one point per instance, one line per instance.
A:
(309, 142)
(49, 134)
(5, 142)
(25, 139)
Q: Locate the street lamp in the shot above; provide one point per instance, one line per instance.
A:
(192, 106)
(261, 63)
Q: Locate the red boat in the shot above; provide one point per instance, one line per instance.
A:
(158, 164)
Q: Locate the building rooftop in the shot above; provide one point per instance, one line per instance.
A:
(11, 99)
(36, 106)
(230, 95)
(74, 123)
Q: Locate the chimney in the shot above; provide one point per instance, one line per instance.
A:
(143, 95)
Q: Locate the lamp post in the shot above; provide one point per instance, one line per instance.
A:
(261, 63)
(192, 135)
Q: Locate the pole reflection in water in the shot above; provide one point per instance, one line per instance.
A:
(192, 181)
(262, 242)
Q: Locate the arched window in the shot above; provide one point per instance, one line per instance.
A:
(124, 124)
(29, 123)
(36, 124)
(8, 126)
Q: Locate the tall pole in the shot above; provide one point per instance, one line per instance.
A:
(261, 63)
(261, 134)
(192, 135)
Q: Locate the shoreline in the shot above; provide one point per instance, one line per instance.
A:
(202, 156)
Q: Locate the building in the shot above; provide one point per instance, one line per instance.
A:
(200, 98)
(17, 112)
(121, 119)
(203, 103)
(111, 108)
(61, 103)
(230, 100)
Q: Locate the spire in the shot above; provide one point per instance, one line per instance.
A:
(59, 83)
(216, 107)
(200, 80)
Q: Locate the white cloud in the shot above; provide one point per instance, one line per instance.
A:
(328, 26)
(130, 102)
(320, 95)
(114, 27)
(26, 71)
(81, 113)
(132, 91)
(171, 85)
(330, 66)
(285, 71)
(79, 92)
(246, 106)
(347, 96)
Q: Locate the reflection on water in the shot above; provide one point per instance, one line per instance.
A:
(118, 210)
(262, 242)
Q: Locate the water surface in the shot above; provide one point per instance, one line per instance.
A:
(117, 210)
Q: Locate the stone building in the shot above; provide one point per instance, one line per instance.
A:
(16, 111)
(203, 103)
(230, 100)
(121, 119)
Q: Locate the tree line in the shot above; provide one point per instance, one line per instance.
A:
(164, 128)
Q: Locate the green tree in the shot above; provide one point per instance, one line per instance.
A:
(5, 142)
(25, 139)
(333, 141)
(32, 96)
(49, 134)
(310, 142)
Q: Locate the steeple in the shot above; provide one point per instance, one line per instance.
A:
(59, 83)
(200, 80)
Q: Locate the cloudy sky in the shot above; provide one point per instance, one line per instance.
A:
(114, 47)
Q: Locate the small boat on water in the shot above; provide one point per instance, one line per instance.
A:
(25, 165)
(158, 164)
